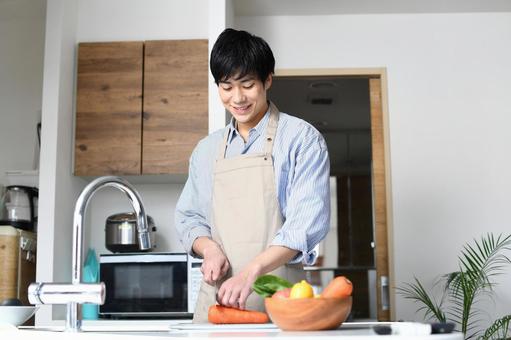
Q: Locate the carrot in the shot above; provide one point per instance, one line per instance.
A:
(227, 315)
(339, 287)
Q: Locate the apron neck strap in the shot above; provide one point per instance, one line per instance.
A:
(271, 131)
(223, 145)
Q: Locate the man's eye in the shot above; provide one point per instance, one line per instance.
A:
(226, 88)
(248, 86)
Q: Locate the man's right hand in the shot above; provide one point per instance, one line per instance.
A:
(215, 264)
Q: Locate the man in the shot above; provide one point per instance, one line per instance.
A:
(257, 199)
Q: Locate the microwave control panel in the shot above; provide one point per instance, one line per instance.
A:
(194, 282)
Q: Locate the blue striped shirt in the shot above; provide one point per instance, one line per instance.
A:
(302, 170)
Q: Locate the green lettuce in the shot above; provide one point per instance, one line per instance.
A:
(267, 285)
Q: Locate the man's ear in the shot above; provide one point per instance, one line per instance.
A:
(268, 82)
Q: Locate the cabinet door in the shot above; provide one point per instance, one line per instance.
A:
(175, 103)
(109, 109)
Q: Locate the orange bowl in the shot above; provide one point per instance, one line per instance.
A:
(309, 314)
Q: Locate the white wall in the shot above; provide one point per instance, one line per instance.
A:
(58, 189)
(160, 201)
(21, 80)
(119, 20)
(221, 16)
(449, 113)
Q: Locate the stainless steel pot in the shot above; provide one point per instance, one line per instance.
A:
(121, 234)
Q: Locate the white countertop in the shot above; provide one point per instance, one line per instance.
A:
(179, 329)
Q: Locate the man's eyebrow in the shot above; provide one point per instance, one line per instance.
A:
(242, 80)
(245, 78)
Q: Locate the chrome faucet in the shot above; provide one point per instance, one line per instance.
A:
(77, 292)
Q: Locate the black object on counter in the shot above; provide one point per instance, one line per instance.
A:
(382, 330)
(436, 328)
(442, 327)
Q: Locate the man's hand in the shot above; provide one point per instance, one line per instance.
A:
(235, 291)
(215, 264)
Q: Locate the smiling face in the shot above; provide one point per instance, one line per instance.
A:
(245, 98)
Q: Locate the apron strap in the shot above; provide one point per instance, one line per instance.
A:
(271, 130)
(223, 145)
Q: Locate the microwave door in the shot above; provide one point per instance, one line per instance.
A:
(140, 289)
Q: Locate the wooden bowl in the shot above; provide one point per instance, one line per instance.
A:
(310, 314)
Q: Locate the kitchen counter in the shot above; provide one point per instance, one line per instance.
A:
(229, 332)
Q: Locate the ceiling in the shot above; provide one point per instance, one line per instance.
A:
(339, 108)
(336, 7)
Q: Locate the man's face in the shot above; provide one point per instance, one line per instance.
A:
(245, 98)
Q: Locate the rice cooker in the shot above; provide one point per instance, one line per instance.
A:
(121, 233)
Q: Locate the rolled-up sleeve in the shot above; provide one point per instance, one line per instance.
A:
(191, 215)
(307, 214)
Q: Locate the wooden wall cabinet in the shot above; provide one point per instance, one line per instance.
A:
(108, 127)
(141, 106)
(175, 103)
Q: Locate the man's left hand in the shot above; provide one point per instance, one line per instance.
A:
(235, 291)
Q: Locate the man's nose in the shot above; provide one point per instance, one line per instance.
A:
(238, 96)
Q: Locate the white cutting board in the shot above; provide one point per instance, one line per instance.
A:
(266, 327)
(208, 327)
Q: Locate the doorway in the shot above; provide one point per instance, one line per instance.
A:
(348, 106)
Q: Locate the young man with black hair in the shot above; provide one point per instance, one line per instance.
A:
(257, 199)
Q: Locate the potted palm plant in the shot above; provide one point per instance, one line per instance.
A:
(479, 264)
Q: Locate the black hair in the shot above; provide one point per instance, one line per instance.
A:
(239, 53)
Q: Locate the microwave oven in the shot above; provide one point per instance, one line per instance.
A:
(149, 285)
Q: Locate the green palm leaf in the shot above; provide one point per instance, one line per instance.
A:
(479, 264)
(415, 291)
(498, 330)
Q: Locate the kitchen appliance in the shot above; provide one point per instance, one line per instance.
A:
(149, 285)
(121, 233)
(19, 207)
(17, 255)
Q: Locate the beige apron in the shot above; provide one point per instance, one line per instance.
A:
(245, 215)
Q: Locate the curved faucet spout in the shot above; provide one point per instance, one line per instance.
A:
(72, 322)
(79, 214)
(78, 292)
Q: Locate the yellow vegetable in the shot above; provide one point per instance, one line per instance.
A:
(301, 290)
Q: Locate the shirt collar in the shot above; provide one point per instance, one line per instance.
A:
(259, 128)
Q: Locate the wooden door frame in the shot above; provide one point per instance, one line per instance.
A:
(382, 186)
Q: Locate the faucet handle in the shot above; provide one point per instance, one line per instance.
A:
(42, 293)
